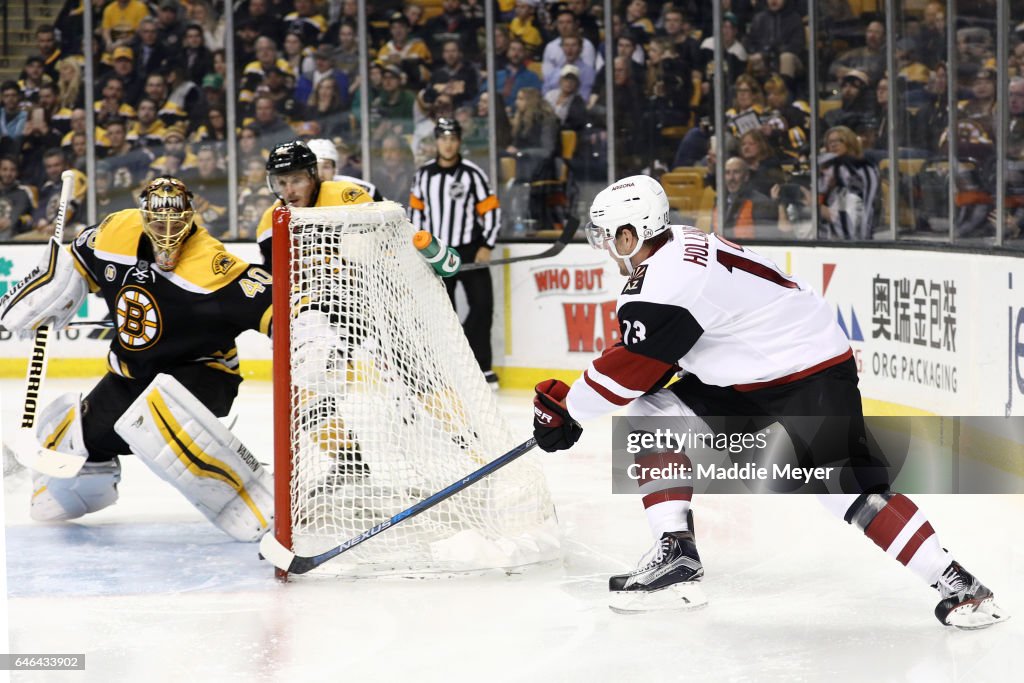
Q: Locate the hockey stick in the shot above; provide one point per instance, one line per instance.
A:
(282, 558)
(571, 224)
(28, 450)
(90, 323)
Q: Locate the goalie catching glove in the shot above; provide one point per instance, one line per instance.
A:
(553, 426)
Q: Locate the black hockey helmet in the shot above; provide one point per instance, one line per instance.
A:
(447, 126)
(289, 157)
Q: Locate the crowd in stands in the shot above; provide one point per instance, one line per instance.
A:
(161, 104)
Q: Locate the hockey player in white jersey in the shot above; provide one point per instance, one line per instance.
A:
(752, 342)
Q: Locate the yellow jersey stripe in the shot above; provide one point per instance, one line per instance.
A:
(196, 461)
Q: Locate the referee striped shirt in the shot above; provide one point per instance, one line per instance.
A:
(455, 204)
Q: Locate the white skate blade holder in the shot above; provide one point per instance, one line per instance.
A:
(677, 597)
(972, 617)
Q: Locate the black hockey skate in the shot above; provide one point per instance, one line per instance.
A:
(966, 603)
(665, 579)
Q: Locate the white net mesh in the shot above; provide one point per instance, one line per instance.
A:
(389, 406)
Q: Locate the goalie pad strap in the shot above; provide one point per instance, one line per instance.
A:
(187, 446)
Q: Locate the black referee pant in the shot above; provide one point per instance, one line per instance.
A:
(480, 297)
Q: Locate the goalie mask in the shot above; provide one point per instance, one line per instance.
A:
(167, 218)
(637, 201)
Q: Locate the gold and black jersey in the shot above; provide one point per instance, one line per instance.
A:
(191, 314)
(332, 193)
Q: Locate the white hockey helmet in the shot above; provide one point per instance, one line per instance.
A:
(324, 150)
(638, 201)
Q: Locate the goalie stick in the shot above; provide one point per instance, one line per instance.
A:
(571, 225)
(286, 560)
(28, 450)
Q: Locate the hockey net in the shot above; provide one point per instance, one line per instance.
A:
(386, 405)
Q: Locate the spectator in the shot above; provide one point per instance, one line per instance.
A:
(323, 68)
(184, 98)
(212, 130)
(974, 51)
(785, 123)
(453, 24)
(391, 111)
(777, 36)
(16, 201)
(270, 127)
(856, 102)
(571, 52)
(69, 84)
(454, 77)
(12, 118)
(554, 56)
(38, 137)
(46, 44)
(667, 86)
(933, 115)
(869, 59)
(251, 150)
(524, 25)
(1015, 141)
(566, 101)
(150, 53)
(627, 103)
(176, 156)
(300, 56)
(76, 153)
(245, 43)
(516, 74)
(108, 201)
(195, 55)
(848, 187)
(169, 28)
(345, 56)
(78, 128)
(54, 164)
(255, 71)
(409, 54)
(124, 68)
(129, 166)
(763, 168)
(148, 130)
(306, 21)
(59, 117)
(735, 55)
(589, 27)
(121, 17)
(393, 175)
(212, 26)
(32, 78)
(748, 213)
(327, 106)
(744, 115)
(264, 20)
(932, 34)
(500, 46)
(534, 137)
(209, 185)
(636, 17)
(678, 30)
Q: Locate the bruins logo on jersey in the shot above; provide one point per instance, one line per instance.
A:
(138, 319)
(222, 262)
(351, 194)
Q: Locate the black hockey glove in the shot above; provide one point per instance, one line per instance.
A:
(553, 426)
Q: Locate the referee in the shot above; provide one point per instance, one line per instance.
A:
(452, 198)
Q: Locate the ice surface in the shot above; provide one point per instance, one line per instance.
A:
(151, 592)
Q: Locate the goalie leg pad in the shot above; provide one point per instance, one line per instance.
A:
(185, 444)
(59, 427)
(50, 294)
(58, 500)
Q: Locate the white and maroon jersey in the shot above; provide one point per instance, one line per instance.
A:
(714, 309)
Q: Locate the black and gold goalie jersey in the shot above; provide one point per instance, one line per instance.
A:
(191, 314)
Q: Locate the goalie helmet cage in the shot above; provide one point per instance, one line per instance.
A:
(379, 402)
